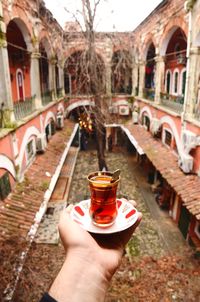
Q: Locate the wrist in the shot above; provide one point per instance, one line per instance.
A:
(80, 278)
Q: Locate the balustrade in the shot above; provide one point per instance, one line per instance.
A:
(173, 102)
(24, 108)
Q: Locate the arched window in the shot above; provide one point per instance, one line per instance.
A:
(175, 81)
(168, 82)
(182, 82)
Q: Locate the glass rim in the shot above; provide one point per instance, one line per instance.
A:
(99, 173)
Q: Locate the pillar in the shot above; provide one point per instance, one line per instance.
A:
(35, 79)
(61, 76)
(135, 79)
(141, 78)
(52, 78)
(193, 81)
(5, 83)
(159, 77)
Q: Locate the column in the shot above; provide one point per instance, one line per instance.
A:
(52, 77)
(5, 83)
(159, 77)
(35, 79)
(141, 78)
(135, 79)
(193, 81)
(61, 76)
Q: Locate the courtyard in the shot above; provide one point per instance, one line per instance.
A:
(158, 264)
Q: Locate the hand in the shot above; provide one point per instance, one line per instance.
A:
(91, 260)
(104, 250)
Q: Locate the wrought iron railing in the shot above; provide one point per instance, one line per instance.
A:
(24, 108)
(173, 102)
(149, 93)
(47, 97)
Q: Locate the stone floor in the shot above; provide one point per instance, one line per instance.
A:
(157, 234)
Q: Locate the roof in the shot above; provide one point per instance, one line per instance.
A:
(187, 186)
(18, 210)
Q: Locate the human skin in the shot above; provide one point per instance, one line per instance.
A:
(91, 260)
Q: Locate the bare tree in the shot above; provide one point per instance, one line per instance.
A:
(88, 75)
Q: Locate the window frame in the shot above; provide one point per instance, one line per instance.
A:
(164, 137)
(176, 92)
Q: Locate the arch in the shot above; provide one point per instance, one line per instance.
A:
(60, 108)
(31, 131)
(46, 43)
(148, 42)
(77, 104)
(7, 164)
(170, 28)
(50, 115)
(147, 110)
(24, 30)
(168, 120)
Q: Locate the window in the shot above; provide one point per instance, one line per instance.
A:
(168, 82)
(30, 150)
(146, 122)
(175, 84)
(167, 138)
(183, 81)
(5, 187)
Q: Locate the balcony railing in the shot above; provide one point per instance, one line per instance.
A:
(24, 108)
(173, 102)
(149, 93)
(47, 97)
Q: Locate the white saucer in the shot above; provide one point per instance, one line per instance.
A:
(127, 216)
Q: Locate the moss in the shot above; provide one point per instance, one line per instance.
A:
(133, 247)
(44, 185)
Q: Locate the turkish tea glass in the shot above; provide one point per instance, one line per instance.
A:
(103, 205)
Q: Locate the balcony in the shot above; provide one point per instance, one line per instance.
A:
(149, 93)
(24, 108)
(172, 102)
(47, 97)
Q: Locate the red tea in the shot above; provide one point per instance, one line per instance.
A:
(103, 208)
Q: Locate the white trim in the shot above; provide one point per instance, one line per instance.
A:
(50, 115)
(31, 131)
(173, 82)
(168, 120)
(7, 164)
(61, 108)
(79, 103)
(17, 83)
(170, 86)
(133, 140)
(148, 111)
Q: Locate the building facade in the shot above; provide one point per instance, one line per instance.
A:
(158, 85)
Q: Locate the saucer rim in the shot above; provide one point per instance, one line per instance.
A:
(105, 230)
